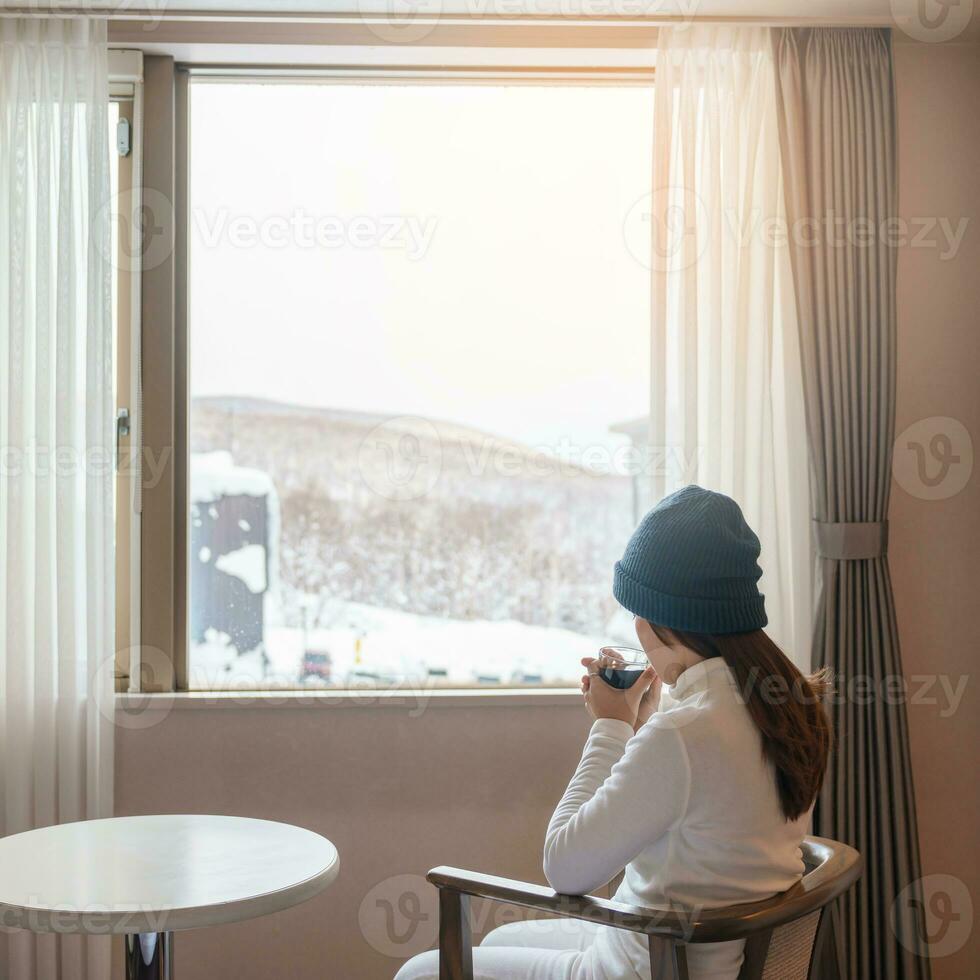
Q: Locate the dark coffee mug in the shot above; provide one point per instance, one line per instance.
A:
(621, 677)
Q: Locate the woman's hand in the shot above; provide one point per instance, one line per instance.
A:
(634, 705)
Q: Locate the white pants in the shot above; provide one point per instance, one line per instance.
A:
(539, 949)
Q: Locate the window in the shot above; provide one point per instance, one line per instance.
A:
(418, 356)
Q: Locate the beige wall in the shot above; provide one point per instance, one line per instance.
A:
(935, 544)
(467, 786)
(475, 786)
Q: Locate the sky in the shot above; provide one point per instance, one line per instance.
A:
(467, 253)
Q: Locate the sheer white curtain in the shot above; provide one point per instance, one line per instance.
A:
(56, 439)
(727, 408)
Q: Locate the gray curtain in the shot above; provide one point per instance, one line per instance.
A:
(836, 106)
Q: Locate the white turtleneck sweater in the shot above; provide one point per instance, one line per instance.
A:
(689, 807)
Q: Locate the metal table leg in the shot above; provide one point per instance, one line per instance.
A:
(149, 956)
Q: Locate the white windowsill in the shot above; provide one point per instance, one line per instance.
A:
(430, 698)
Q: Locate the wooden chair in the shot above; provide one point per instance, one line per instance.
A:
(784, 934)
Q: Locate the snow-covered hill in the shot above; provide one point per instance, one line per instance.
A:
(453, 528)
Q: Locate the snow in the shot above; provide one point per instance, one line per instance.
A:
(248, 564)
(371, 646)
(493, 583)
(215, 664)
(214, 475)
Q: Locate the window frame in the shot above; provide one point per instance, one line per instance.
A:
(160, 661)
(125, 76)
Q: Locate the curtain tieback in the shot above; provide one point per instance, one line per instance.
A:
(852, 541)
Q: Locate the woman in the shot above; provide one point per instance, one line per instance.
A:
(698, 780)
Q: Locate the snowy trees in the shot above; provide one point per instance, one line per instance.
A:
(529, 542)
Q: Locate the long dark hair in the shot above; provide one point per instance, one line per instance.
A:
(784, 704)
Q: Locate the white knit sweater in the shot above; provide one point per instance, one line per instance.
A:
(688, 806)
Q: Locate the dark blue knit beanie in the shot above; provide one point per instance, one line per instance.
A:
(693, 564)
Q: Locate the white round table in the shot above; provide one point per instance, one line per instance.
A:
(148, 877)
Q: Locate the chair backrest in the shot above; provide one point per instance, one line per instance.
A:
(791, 949)
(786, 934)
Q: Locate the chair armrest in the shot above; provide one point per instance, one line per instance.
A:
(835, 868)
(649, 922)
